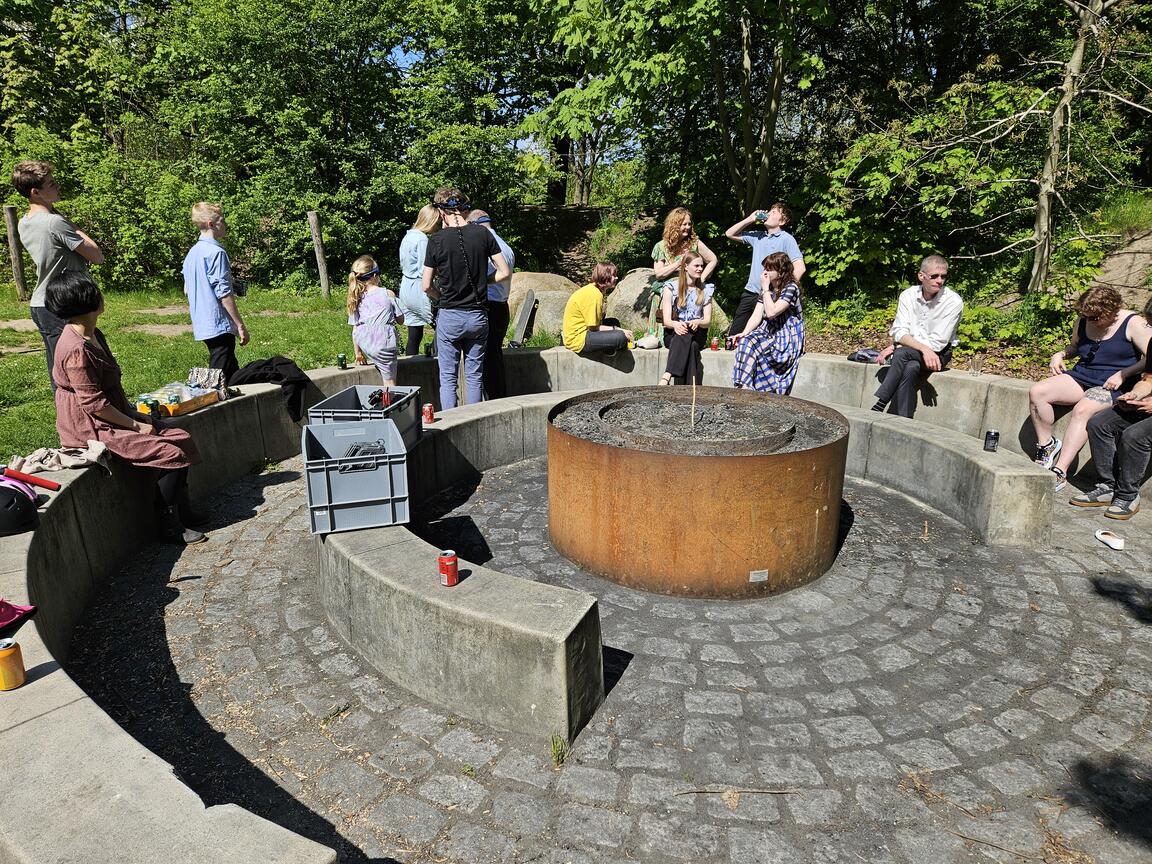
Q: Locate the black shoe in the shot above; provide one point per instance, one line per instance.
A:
(172, 530)
(189, 515)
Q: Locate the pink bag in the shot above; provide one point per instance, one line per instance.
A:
(13, 616)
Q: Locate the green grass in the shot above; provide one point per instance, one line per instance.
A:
(27, 412)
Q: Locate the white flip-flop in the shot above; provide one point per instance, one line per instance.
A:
(1112, 541)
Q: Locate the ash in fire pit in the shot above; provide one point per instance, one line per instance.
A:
(726, 422)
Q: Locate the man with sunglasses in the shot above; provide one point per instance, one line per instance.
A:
(923, 336)
(456, 278)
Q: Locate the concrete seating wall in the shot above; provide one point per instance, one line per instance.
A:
(63, 754)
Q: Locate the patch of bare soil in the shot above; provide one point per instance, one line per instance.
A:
(273, 313)
(161, 329)
(166, 310)
(21, 325)
(1128, 269)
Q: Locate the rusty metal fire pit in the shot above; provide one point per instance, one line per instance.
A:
(744, 502)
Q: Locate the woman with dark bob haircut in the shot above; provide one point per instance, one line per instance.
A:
(91, 405)
(1107, 344)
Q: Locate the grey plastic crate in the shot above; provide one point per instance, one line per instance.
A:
(352, 404)
(350, 492)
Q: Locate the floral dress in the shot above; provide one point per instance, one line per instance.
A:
(768, 357)
(374, 330)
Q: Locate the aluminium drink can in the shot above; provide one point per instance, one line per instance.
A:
(342, 361)
(991, 440)
(449, 568)
(429, 413)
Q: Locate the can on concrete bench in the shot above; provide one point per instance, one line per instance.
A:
(991, 440)
(12, 673)
(449, 568)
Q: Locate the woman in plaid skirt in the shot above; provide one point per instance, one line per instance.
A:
(768, 351)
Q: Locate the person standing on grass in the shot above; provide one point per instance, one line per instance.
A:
(373, 313)
(414, 302)
(769, 236)
(456, 276)
(208, 283)
(495, 386)
(55, 244)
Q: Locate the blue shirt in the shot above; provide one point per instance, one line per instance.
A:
(764, 244)
(208, 279)
(499, 291)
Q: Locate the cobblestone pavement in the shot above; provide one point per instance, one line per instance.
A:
(929, 700)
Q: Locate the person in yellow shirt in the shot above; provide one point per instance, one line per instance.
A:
(585, 329)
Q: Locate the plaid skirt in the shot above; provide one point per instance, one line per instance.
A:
(767, 358)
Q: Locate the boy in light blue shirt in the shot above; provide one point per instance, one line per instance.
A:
(765, 239)
(211, 297)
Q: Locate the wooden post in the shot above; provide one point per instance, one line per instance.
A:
(318, 243)
(14, 250)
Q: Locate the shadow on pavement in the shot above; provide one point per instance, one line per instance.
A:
(1128, 593)
(121, 659)
(1119, 791)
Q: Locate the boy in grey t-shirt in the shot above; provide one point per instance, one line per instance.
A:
(54, 243)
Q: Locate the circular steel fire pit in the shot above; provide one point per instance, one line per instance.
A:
(741, 502)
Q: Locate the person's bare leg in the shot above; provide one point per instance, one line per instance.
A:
(1076, 435)
(1043, 396)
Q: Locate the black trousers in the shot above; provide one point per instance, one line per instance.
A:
(684, 355)
(1121, 448)
(605, 340)
(904, 376)
(495, 385)
(50, 327)
(222, 354)
(415, 337)
(744, 310)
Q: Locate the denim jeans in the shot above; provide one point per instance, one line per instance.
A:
(1121, 446)
(461, 331)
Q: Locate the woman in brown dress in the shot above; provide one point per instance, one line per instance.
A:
(91, 405)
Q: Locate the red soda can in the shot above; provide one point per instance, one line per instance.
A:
(429, 413)
(449, 568)
(715, 343)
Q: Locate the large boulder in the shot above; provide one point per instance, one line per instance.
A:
(541, 283)
(628, 302)
(550, 311)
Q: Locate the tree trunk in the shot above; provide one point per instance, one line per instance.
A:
(1089, 12)
(781, 57)
(562, 161)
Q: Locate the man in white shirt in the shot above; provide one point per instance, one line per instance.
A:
(923, 336)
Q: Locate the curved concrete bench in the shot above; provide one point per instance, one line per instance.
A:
(61, 754)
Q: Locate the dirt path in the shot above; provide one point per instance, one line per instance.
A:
(1128, 270)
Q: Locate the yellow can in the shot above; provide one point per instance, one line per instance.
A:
(11, 665)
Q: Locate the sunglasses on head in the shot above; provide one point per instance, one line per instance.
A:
(362, 276)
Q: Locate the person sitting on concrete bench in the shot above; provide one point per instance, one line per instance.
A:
(585, 329)
(1121, 446)
(91, 406)
(923, 336)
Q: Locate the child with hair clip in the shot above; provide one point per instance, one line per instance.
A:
(373, 312)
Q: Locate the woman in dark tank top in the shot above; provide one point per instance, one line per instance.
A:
(1108, 344)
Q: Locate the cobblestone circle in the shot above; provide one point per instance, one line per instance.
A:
(928, 700)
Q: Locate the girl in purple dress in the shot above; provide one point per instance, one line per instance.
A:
(373, 312)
